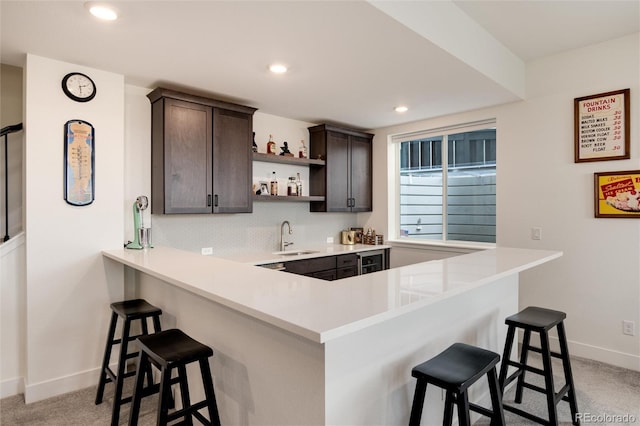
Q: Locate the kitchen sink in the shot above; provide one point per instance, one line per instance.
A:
(294, 252)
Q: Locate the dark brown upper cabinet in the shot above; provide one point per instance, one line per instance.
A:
(201, 157)
(346, 178)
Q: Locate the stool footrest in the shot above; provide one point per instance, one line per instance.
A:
(525, 367)
(479, 409)
(526, 415)
(534, 388)
(190, 410)
(538, 350)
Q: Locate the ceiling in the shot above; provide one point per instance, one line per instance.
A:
(350, 62)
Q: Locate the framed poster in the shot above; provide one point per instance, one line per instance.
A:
(79, 185)
(617, 194)
(602, 127)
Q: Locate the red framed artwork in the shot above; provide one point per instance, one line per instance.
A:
(617, 194)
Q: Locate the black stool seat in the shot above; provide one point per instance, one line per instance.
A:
(135, 309)
(454, 370)
(173, 347)
(538, 320)
(169, 350)
(128, 311)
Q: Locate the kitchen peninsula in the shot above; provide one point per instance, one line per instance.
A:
(295, 350)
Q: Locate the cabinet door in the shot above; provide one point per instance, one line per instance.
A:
(337, 169)
(232, 158)
(311, 266)
(186, 147)
(329, 275)
(361, 184)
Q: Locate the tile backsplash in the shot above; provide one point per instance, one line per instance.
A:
(257, 231)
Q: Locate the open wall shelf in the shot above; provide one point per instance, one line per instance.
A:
(272, 158)
(287, 199)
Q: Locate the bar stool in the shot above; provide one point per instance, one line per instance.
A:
(129, 311)
(539, 320)
(455, 370)
(169, 350)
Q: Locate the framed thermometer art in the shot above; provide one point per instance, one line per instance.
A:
(79, 163)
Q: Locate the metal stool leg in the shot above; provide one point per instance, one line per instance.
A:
(506, 356)
(214, 416)
(496, 399)
(449, 400)
(107, 355)
(418, 402)
(548, 378)
(463, 409)
(163, 398)
(526, 340)
(568, 375)
(122, 363)
(143, 362)
(184, 393)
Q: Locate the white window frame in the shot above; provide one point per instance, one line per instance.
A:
(394, 182)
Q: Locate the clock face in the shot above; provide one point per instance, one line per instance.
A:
(78, 87)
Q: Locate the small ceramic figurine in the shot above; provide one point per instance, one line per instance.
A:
(285, 150)
(255, 146)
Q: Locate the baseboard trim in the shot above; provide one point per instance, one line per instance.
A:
(49, 388)
(11, 387)
(608, 356)
(595, 353)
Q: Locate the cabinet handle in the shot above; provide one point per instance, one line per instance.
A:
(215, 200)
(208, 200)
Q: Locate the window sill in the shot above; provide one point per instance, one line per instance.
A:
(456, 247)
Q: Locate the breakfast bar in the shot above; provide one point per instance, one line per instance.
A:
(295, 350)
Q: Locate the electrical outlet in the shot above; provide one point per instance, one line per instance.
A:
(629, 328)
(329, 240)
(536, 233)
(206, 251)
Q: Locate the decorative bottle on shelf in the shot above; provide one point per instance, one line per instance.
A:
(271, 146)
(299, 185)
(302, 152)
(292, 187)
(274, 184)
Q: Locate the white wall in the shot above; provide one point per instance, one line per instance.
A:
(597, 281)
(68, 286)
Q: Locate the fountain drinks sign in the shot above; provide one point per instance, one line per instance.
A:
(602, 127)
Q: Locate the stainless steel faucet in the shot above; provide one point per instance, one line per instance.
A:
(284, 244)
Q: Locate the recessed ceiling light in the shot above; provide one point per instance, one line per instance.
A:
(102, 11)
(278, 68)
(401, 108)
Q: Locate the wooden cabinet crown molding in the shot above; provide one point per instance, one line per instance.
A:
(344, 130)
(162, 92)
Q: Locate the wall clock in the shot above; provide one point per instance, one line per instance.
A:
(79, 87)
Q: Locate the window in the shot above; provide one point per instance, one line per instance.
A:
(452, 203)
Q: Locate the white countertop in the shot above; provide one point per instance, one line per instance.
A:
(323, 310)
(266, 257)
